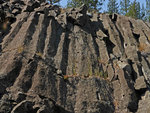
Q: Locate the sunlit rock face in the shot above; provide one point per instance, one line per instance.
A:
(55, 60)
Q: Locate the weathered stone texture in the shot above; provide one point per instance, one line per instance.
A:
(55, 60)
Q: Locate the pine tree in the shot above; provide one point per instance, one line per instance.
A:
(112, 6)
(148, 10)
(142, 14)
(138, 10)
(74, 3)
(91, 4)
(134, 10)
(124, 6)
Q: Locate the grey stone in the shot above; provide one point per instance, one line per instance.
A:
(78, 16)
(144, 103)
(140, 83)
(104, 69)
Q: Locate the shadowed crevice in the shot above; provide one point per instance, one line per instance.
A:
(136, 37)
(15, 31)
(10, 77)
(54, 38)
(65, 54)
(43, 34)
(28, 74)
(31, 29)
(147, 62)
(121, 38)
(109, 44)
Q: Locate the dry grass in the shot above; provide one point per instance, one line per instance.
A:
(5, 24)
(102, 61)
(66, 77)
(20, 49)
(116, 104)
(149, 38)
(39, 54)
(142, 47)
(62, 10)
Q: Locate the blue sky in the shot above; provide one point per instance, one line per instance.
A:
(63, 3)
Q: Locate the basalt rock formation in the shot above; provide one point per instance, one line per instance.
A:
(55, 60)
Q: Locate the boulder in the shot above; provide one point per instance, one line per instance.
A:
(78, 16)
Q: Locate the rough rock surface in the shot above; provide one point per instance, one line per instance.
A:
(55, 60)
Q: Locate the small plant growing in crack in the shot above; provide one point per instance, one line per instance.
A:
(20, 49)
(105, 75)
(142, 47)
(66, 77)
(101, 74)
(97, 72)
(115, 104)
(149, 38)
(90, 72)
(39, 54)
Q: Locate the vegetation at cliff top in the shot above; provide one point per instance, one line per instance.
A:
(124, 7)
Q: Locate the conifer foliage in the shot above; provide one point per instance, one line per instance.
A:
(113, 6)
(124, 6)
(129, 8)
(148, 10)
(95, 5)
(134, 10)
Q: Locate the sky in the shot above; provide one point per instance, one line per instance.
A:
(63, 3)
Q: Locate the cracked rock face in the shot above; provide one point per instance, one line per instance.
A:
(55, 60)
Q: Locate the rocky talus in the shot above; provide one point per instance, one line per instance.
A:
(55, 60)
